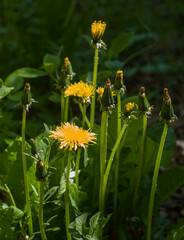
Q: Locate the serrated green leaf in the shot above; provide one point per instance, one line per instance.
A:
(30, 72)
(120, 43)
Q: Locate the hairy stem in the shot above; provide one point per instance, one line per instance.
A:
(62, 106)
(24, 164)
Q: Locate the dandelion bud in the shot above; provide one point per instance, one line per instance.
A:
(67, 67)
(41, 172)
(118, 82)
(67, 74)
(143, 103)
(107, 100)
(167, 113)
(26, 96)
(97, 30)
(33, 147)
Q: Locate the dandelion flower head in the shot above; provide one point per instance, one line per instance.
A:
(97, 30)
(81, 90)
(129, 106)
(71, 136)
(100, 91)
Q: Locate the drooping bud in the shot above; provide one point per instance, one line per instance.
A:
(26, 96)
(107, 100)
(41, 172)
(118, 82)
(143, 104)
(167, 113)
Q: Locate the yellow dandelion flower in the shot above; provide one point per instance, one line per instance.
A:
(71, 136)
(81, 90)
(119, 75)
(129, 106)
(97, 30)
(100, 91)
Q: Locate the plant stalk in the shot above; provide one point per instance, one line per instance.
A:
(40, 214)
(62, 106)
(117, 157)
(66, 109)
(95, 69)
(103, 155)
(77, 166)
(154, 181)
(86, 119)
(106, 175)
(141, 161)
(67, 209)
(24, 164)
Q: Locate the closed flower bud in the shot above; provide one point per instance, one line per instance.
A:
(26, 96)
(167, 113)
(118, 82)
(107, 100)
(97, 30)
(143, 104)
(41, 172)
(67, 74)
(33, 147)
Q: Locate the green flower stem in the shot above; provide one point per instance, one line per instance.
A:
(86, 119)
(66, 109)
(117, 156)
(92, 113)
(77, 166)
(103, 155)
(79, 150)
(154, 181)
(84, 115)
(106, 175)
(141, 161)
(40, 214)
(67, 209)
(24, 164)
(62, 106)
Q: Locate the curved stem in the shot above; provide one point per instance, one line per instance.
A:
(141, 161)
(154, 181)
(103, 154)
(111, 159)
(24, 164)
(92, 113)
(117, 157)
(86, 119)
(40, 214)
(62, 106)
(67, 209)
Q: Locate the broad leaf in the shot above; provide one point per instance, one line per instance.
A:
(120, 43)
(30, 72)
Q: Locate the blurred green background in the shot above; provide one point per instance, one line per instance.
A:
(31, 28)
